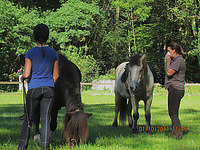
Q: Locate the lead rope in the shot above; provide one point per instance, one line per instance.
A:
(24, 99)
(25, 108)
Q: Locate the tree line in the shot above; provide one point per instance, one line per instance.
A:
(98, 34)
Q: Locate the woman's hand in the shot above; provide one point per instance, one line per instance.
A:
(22, 79)
(27, 71)
(168, 70)
(167, 58)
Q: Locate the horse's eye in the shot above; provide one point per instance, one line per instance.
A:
(141, 71)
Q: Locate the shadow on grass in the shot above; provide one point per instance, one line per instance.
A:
(10, 123)
(100, 124)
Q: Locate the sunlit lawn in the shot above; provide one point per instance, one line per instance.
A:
(102, 135)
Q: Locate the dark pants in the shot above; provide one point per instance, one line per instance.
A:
(174, 99)
(42, 98)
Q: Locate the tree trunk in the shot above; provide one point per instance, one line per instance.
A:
(117, 20)
(133, 28)
(197, 25)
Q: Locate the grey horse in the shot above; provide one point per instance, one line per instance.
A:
(134, 81)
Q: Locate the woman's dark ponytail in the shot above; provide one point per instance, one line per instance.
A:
(41, 42)
(41, 35)
(43, 53)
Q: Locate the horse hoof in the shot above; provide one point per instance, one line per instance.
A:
(130, 126)
(150, 132)
(114, 127)
(37, 138)
(134, 131)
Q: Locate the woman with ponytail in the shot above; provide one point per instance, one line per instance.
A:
(175, 69)
(41, 66)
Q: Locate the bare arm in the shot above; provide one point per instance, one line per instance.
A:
(55, 71)
(168, 70)
(27, 71)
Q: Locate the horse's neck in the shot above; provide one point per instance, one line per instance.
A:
(74, 104)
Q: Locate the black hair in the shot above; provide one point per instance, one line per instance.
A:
(177, 48)
(41, 35)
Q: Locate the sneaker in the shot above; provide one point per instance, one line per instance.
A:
(37, 138)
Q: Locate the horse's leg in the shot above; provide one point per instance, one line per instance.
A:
(120, 106)
(116, 109)
(147, 107)
(53, 123)
(128, 111)
(135, 113)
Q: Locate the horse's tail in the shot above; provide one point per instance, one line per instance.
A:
(75, 127)
(122, 110)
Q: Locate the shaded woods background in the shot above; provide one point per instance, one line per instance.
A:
(97, 35)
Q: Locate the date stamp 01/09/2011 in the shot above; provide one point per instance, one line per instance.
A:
(161, 129)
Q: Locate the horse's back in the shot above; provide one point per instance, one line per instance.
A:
(119, 86)
(69, 79)
(151, 78)
(68, 69)
(119, 70)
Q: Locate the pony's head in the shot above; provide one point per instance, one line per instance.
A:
(137, 68)
(76, 127)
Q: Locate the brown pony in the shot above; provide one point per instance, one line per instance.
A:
(68, 94)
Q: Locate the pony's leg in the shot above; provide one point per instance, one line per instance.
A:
(53, 122)
(147, 107)
(54, 115)
(120, 106)
(116, 112)
(135, 114)
(128, 111)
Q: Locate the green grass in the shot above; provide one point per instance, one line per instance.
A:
(101, 134)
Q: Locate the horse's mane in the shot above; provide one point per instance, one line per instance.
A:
(135, 60)
(70, 78)
(75, 124)
(76, 127)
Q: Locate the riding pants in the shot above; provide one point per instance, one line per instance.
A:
(174, 99)
(39, 97)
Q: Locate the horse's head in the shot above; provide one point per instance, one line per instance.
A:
(76, 127)
(137, 71)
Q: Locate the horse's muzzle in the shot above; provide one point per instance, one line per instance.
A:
(134, 89)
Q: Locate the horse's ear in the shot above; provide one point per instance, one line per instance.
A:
(143, 57)
(127, 57)
(88, 115)
(144, 61)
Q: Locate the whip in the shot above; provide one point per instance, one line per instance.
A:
(24, 98)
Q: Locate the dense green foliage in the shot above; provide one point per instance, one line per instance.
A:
(103, 31)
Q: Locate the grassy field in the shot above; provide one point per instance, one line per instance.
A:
(101, 134)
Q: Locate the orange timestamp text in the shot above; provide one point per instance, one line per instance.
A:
(161, 129)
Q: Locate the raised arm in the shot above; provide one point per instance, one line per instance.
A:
(168, 70)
